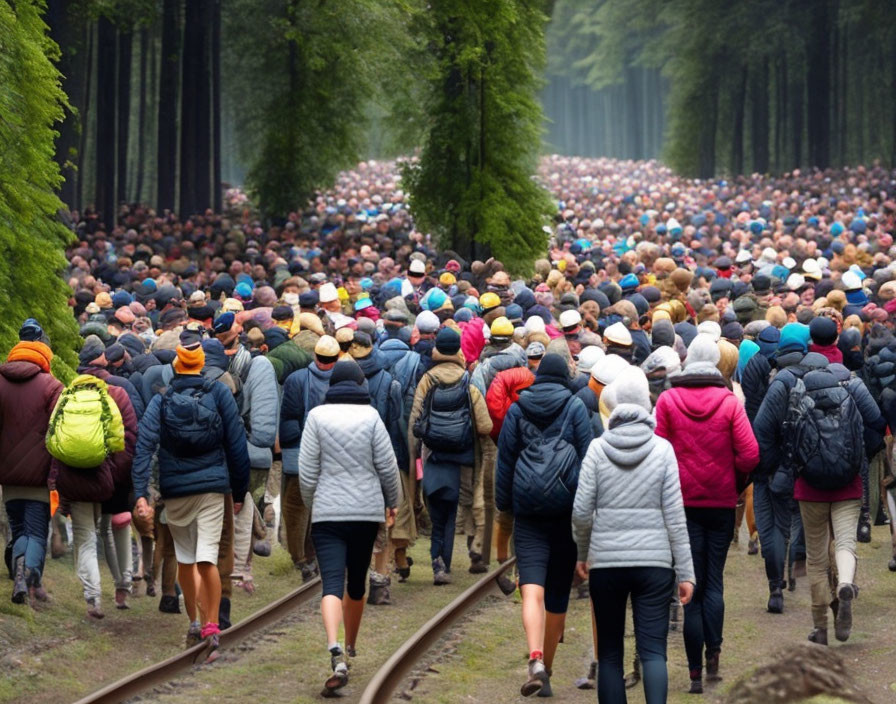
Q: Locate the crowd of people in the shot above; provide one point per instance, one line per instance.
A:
(687, 355)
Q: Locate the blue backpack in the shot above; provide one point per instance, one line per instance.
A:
(191, 424)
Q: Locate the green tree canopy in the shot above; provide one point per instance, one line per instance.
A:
(32, 240)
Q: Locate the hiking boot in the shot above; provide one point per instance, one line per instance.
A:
(506, 585)
(379, 590)
(94, 610)
(19, 587)
(308, 570)
(634, 677)
(169, 604)
(262, 548)
(538, 677)
(194, 635)
(819, 636)
(440, 574)
(224, 614)
(791, 585)
(753, 546)
(121, 599)
(209, 634)
(351, 651)
(712, 666)
(546, 690)
(477, 566)
(843, 621)
(696, 686)
(776, 601)
(589, 681)
(863, 532)
(38, 593)
(339, 678)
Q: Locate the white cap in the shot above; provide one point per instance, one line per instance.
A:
(619, 334)
(197, 297)
(427, 321)
(327, 293)
(588, 357)
(811, 269)
(743, 256)
(340, 321)
(417, 267)
(711, 328)
(608, 368)
(769, 255)
(789, 262)
(535, 323)
(823, 263)
(851, 281)
(795, 281)
(570, 318)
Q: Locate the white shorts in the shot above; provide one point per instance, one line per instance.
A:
(195, 523)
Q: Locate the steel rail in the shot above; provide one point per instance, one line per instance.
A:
(386, 680)
(163, 672)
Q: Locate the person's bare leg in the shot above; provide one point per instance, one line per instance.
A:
(209, 591)
(534, 616)
(331, 612)
(352, 610)
(188, 579)
(553, 630)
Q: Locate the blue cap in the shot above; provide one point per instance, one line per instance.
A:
(836, 229)
(794, 338)
(243, 290)
(363, 303)
(224, 323)
(628, 282)
(366, 283)
(434, 300)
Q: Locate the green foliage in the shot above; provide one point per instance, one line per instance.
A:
(472, 186)
(32, 240)
(302, 76)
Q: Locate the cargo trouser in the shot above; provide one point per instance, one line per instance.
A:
(471, 508)
(296, 519)
(85, 520)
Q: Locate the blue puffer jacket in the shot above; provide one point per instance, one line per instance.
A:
(222, 470)
(541, 405)
(385, 397)
(303, 391)
(754, 382)
(402, 363)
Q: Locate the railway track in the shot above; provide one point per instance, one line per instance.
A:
(380, 688)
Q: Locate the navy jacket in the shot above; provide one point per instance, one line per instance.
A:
(303, 391)
(223, 470)
(541, 405)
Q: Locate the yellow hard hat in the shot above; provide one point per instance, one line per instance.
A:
(447, 279)
(501, 327)
(489, 300)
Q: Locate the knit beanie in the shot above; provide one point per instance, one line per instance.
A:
(662, 333)
(114, 353)
(553, 368)
(745, 353)
(31, 331)
(35, 352)
(711, 328)
(190, 355)
(588, 357)
(733, 331)
(776, 316)
(794, 338)
(629, 387)
(768, 341)
(687, 331)
(93, 347)
(727, 359)
(606, 370)
(702, 349)
(823, 331)
(447, 342)
(662, 358)
(346, 370)
(427, 322)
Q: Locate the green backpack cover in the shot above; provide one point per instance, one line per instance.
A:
(86, 425)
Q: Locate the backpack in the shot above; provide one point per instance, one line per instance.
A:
(85, 426)
(190, 422)
(446, 422)
(825, 428)
(547, 472)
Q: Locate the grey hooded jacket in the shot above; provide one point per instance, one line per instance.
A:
(628, 509)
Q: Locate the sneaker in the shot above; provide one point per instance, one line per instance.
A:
(209, 634)
(94, 610)
(308, 570)
(121, 599)
(38, 593)
(791, 585)
(843, 622)
(440, 576)
(546, 690)
(194, 635)
(819, 636)
(350, 651)
(150, 586)
(169, 604)
(589, 681)
(863, 532)
(776, 601)
(477, 566)
(506, 585)
(339, 678)
(696, 686)
(538, 676)
(634, 677)
(712, 667)
(262, 548)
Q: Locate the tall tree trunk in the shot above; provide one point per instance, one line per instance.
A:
(166, 161)
(796, 91)
(706, 158)
(216, 106)
(760, 114)
(105, 122)
(818, 79)
(740, 99)
(195, 126)
(632, 116)
(125, 50)
(843, 99)
(141, 116)
(83, 159)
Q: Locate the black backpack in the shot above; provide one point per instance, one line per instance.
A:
(547, 471)
(191, 424)
(446, 422)
(825, 429)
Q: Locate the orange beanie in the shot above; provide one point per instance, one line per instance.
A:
(35, 352)
(190, 360)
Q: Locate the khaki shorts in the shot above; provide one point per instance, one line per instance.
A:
(195, 523)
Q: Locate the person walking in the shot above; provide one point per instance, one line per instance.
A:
(716, 450)
(28, 394)
(542, 442)
(348, 475)
(201, 442)
(631, 536)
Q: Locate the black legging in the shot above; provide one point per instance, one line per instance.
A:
(344, 546)
(649, 588)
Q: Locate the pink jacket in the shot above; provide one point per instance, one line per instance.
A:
(712, 439)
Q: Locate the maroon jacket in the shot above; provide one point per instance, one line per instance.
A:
(28, 396)
(113, 476)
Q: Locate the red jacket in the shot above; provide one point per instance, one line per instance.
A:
(113, 476)
(712, 439)
(28, 396)
(504, 392)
